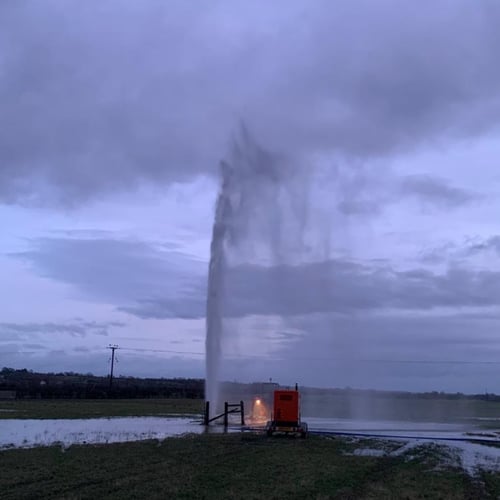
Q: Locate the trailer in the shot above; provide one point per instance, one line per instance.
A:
(286, 414)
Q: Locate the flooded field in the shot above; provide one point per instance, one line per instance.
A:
(467, 445)
(25, 433)
(406, 429)
(46, 432)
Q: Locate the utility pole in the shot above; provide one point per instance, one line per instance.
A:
(113, 349)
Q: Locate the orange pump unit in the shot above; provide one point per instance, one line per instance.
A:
(286, 414)
(286, 407)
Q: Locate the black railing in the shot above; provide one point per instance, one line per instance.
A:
(228, 409)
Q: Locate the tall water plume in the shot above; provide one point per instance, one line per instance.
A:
(267, 229)
(215, 293)
(248, 182)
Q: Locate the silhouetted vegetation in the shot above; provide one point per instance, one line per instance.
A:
(405, 394)
(29, 384)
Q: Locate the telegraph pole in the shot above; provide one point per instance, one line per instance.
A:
(113, 349)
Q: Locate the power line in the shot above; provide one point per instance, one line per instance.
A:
(294, 358)
(161, 350)
(336, 360)
(19, 352)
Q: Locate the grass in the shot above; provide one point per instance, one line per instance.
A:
(220, 466)
(92, 408)
(231, 466)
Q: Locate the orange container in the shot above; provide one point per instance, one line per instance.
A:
(286, 407)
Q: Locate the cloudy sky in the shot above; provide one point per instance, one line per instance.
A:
(385, 115)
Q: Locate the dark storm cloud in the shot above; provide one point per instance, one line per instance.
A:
(152, 283)
(102, 95)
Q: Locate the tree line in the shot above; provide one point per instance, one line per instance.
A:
(29, 384)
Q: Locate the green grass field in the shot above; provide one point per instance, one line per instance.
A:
(233, 466)
(92, 408)
(417, 410)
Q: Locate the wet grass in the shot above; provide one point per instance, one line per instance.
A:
(232, 466)
(491, 481)
(93, 408)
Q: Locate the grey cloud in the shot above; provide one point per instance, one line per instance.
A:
(461, 251)
(438, 254)
(127, 273)
(360, 207)
(34, 346)
(97, 363)
(430, 192)
(81, 233)
(152, 283)
(326, 349)
(423, 352)
(346, 287)
(492, 243)
(381, 336)
(102, 96)
(282, 336)
(117, 269)
(75, 328)
(10, 348)
(409, 351)
(81, 349)
(187, 307)
(435, 192)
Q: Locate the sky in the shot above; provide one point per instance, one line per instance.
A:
(115, 116)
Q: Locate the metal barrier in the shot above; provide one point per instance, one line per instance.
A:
(228, 409)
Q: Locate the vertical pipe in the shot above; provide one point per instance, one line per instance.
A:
(242, 408)
(207, 412)
(226, 409)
